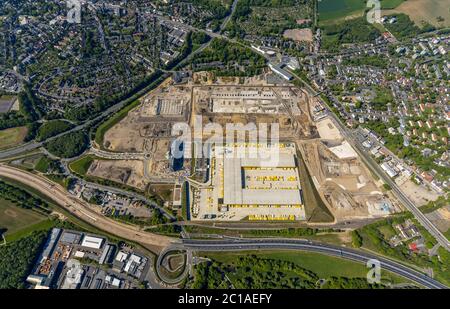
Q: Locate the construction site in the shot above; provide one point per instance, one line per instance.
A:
(147, 131)
(319, 177)
(256, 104)
(127, 172)
(344, 183)
(250, 181)
(151, 121)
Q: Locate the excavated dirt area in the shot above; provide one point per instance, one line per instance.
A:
(127, 172)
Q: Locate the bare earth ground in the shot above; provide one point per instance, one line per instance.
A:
(327, 130)
(441, 218)
(127, 172)
(85, 211)
(124, 137)
(424, 10)
(418, 194)
(346, 185)
(301, 35)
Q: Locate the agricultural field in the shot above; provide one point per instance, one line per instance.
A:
(331, 11)
(12, 137)
(267, 18)
(7, 103)
(390, 4)
(15, 219)
(435, 12)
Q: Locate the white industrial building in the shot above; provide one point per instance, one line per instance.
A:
(280, 71)
(122, 256)
(251, 181)
(237, 190)
(74, 275)
(389, 170)
(92, 242)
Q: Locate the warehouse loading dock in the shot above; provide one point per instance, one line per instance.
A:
(246, 187)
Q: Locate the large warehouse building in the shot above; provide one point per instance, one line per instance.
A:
(246, 185)
(247, 182)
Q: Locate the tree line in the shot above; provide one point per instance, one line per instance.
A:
(21, 198)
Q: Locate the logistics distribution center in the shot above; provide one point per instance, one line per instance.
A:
(251, 181)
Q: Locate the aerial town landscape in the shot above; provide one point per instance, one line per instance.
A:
(224, 144)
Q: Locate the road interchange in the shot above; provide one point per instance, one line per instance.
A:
(310, 246)
(237, 245)
(161, 244)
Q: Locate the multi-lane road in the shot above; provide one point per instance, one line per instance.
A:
(160, 243)
(305, 245)
(406, 201)
(371, 164)
(109, 111)
(84, 211)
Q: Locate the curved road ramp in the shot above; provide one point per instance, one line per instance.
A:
(305, 245)
(85, 212)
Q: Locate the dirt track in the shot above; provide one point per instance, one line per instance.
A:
(81, 209)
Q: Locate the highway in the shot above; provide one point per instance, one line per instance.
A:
(115, 108)
(305, 245)
(424, 221)
(34, 145)
(160, 243)
(228, 18)
(84, 211)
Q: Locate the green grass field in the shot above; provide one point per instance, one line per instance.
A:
(324, 266)
(12, 137)
(388, 231)
(81, 166)
(315, 208)
(42, 165)
(333, 10)
(16, 219)
(47, 224)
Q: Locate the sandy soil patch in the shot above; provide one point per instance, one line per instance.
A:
(327, 130)
(124, 136)
(127, 172)
(441, 218)
(300, 35)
